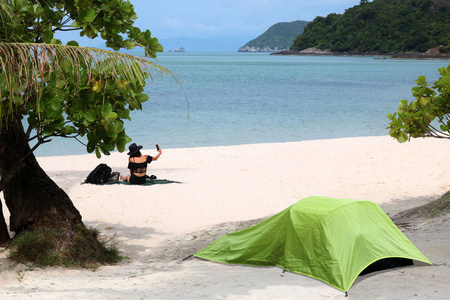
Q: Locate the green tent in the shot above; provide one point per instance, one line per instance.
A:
(332, 240)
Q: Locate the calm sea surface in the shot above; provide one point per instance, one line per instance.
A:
(244, 98)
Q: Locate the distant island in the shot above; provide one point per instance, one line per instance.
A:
(277, 38)
(208, 44)
(178, 50)
(408, 29)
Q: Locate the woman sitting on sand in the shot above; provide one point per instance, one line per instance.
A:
(137, 163)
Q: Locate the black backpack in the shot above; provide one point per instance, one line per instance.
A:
(100, 174)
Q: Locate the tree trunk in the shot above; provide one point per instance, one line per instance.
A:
(4, 235)
(31, 196)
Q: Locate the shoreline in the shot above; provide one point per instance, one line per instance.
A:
(152, 147)
(432, 54)
(115, 152)
(210, 191)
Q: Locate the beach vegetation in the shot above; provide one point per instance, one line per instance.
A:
(50, 90)
(432, 210)
(426, 116)
(380, 26)
(62, 246)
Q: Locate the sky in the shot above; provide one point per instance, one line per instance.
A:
(212, 18)
(227, 18)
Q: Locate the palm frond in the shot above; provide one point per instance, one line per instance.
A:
(6, 8)
(26, 67)
(38, 56)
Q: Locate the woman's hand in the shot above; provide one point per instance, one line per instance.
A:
(157, 155)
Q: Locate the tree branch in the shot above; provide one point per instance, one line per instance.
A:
(68, 29)
(28, 133)
(434, 132)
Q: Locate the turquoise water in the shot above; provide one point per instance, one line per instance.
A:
(244, 98)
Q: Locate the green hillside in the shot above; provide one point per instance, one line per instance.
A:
(384, 26)
(279, 36)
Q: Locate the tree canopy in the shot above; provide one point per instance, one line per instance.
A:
(29, 21)
(67, 90)
(383, 26)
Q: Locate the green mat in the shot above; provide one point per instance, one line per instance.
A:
(148, 182)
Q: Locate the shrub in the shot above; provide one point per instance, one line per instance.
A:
(50, 246)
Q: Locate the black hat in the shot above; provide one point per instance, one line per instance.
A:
(134, 149)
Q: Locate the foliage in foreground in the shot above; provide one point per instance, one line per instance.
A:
(62, 246)
(66, 90)
(415, 119)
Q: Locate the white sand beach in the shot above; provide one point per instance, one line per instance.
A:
(203, 193)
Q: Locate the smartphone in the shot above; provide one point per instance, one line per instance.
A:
(157, 147)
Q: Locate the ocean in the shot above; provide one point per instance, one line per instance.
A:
(246, 98)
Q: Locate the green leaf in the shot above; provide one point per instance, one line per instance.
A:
(110, 116)
(159, 48)
(126, 7)
(88, 16)
(113, 4)
(421, 80)
(38, 11)
(403, 137)
(69, 129)
(90, 115)
(51, 15)
(423, 101)
(17, 4)
(106, 148)
(142, 97)
(125, 114)
(83, 4)
(135, 32)
(75, 24)
(106, 108)
(122, 140)
(97, 152)
(54, 105)
(73, 43)
(128, 44)
(112, 135)
(47, 36)
(403, 104)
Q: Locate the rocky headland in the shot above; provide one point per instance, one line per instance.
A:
(258, 49)
(434, 53)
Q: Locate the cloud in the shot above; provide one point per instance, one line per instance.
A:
(172, 23)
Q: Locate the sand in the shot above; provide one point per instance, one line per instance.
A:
(203, 193)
